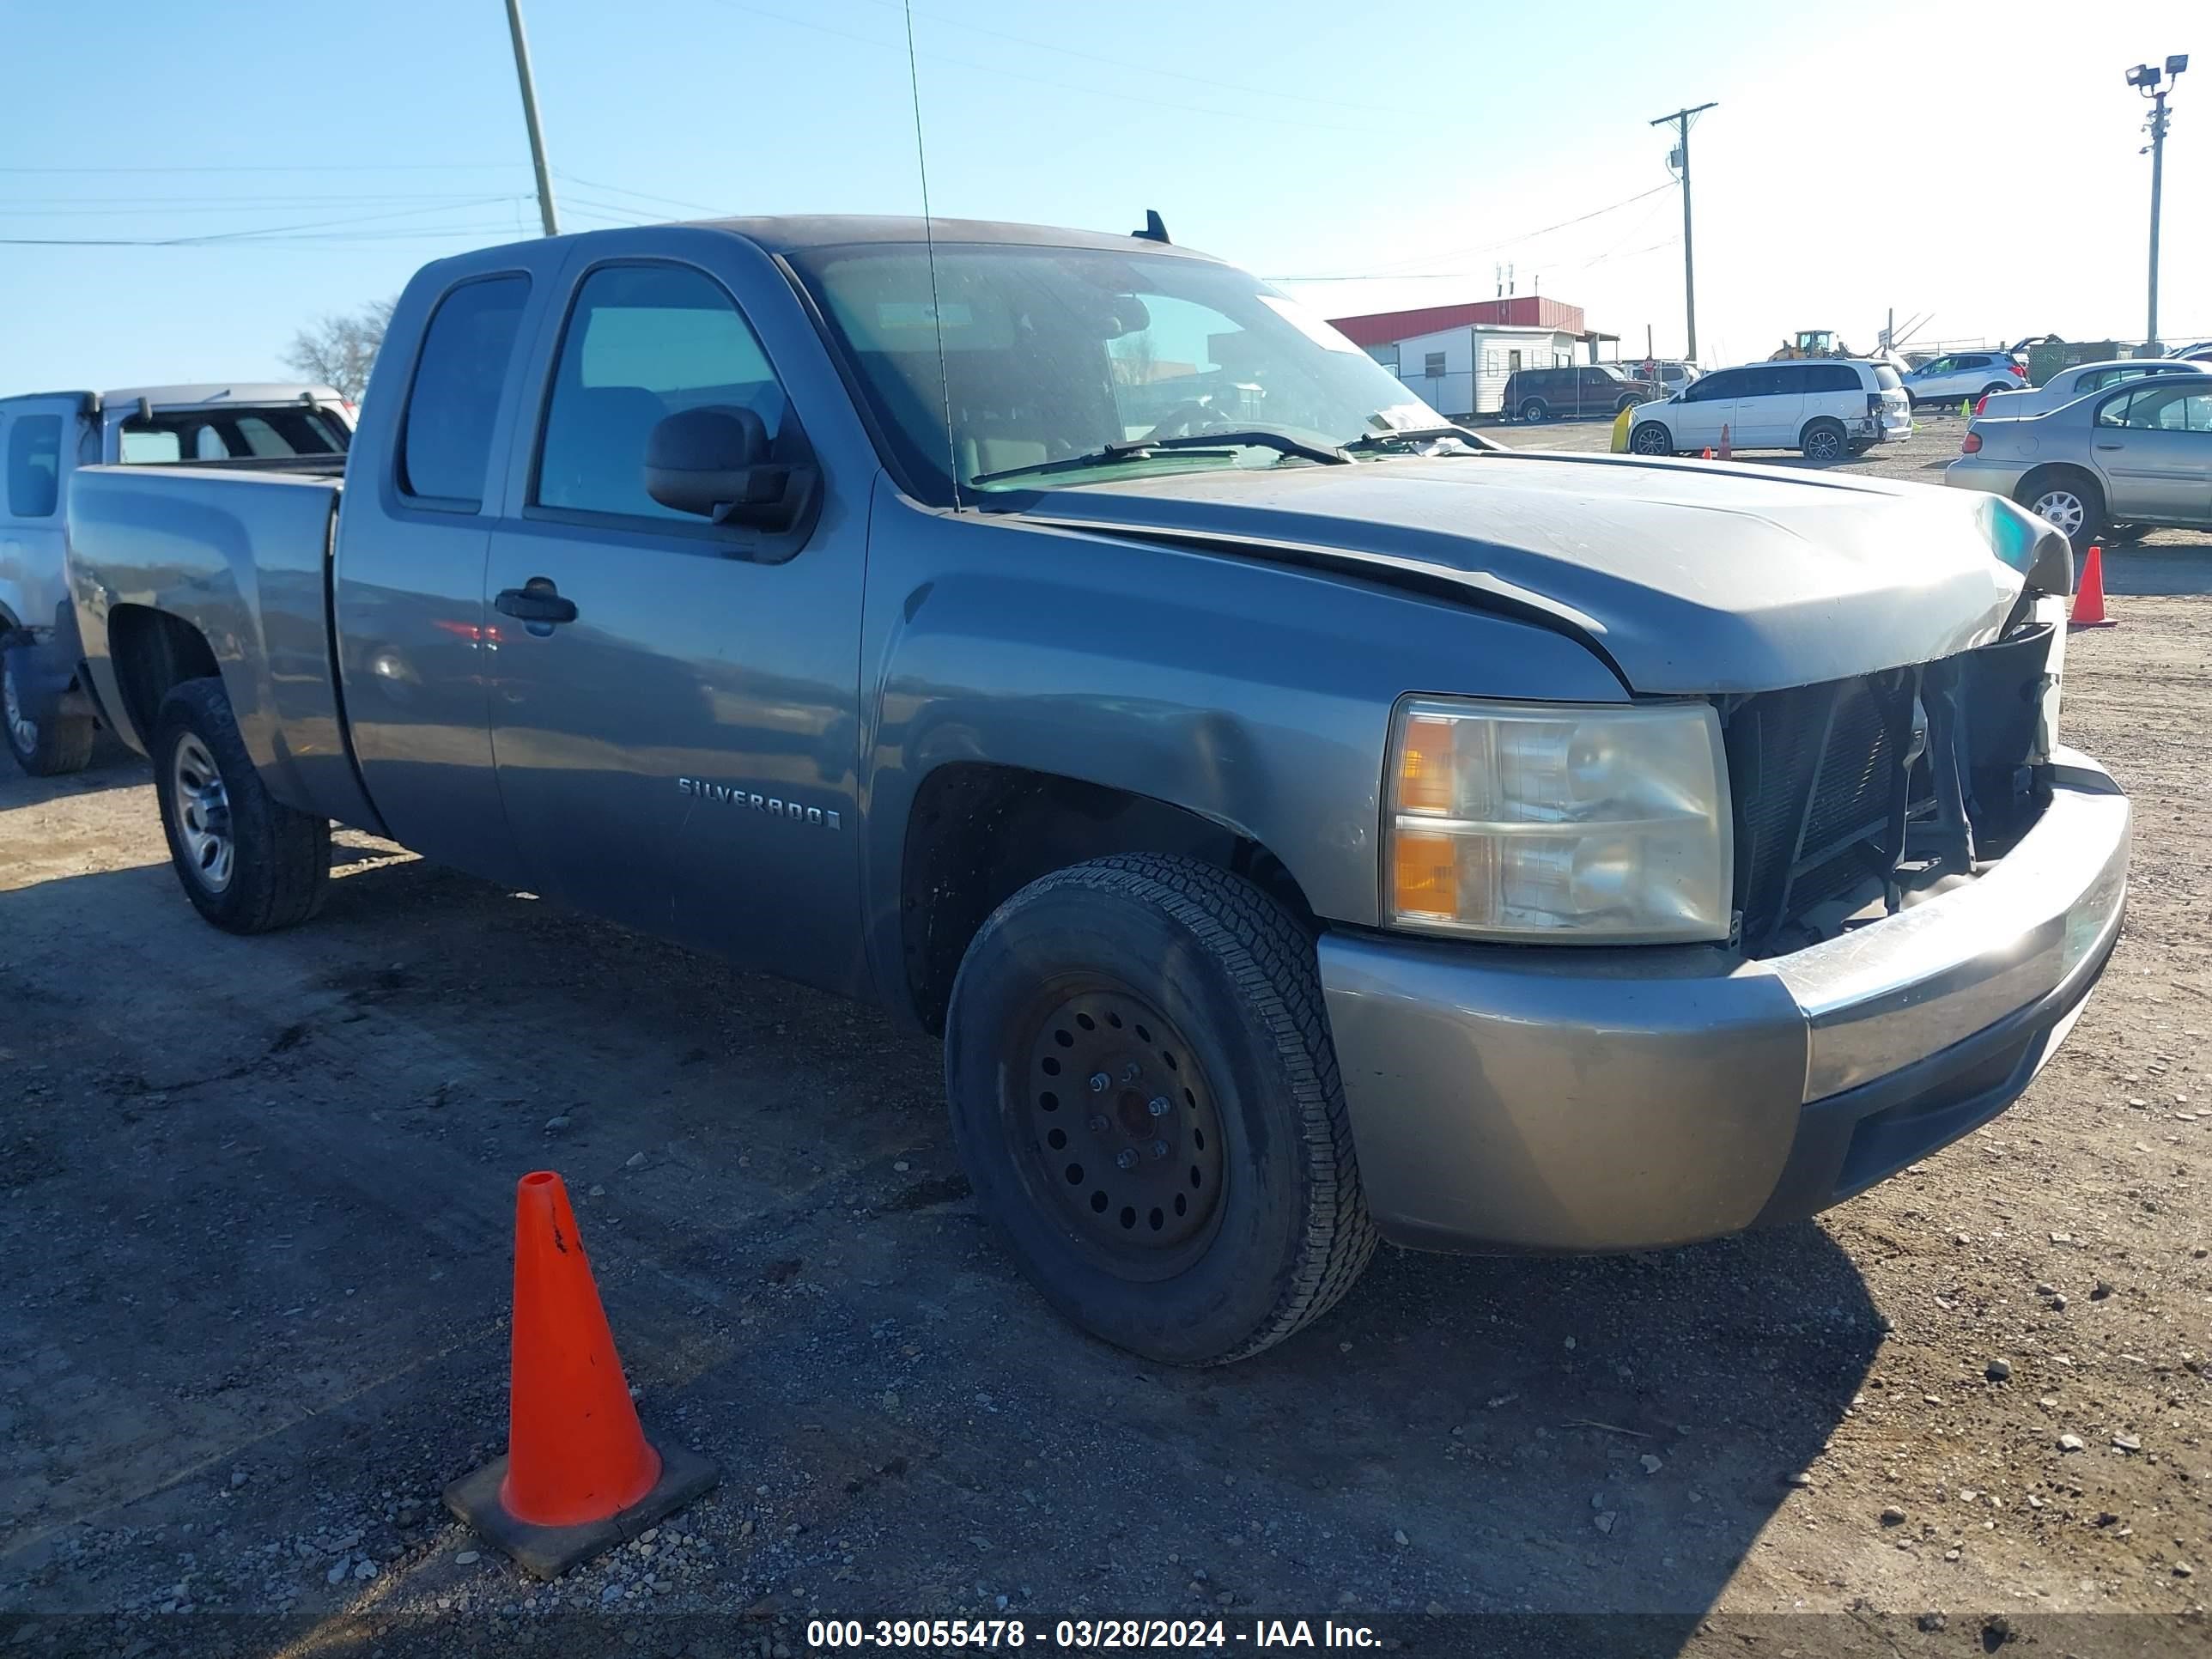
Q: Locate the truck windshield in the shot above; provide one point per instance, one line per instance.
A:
(1052, 353)
(231, 432)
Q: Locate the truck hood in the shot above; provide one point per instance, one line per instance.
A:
(1688, 578)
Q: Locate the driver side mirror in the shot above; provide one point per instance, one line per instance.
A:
(714, 463)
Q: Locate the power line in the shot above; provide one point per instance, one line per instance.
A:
(252, 234)
(1042, 81)
(1150, 70)
(1395, 269)
(349, 167)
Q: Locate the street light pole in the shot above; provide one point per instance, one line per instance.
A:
(1680, 121)
(2145, 78)
(522, 75)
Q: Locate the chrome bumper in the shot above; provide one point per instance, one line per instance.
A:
(1548, 1098)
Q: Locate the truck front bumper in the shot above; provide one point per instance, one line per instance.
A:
(1550, 1098)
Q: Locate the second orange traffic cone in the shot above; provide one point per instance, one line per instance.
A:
(579, 1477)
(1727, 454)
(2089, 593)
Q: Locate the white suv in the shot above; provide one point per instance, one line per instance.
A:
(1965, 374)
(1824, 407)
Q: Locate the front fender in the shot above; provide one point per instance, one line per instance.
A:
(1255, 694)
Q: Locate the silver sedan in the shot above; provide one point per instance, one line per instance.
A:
(2136, 455)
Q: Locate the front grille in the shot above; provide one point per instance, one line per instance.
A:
(1814, 774)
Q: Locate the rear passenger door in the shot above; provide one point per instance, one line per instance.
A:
(680, 752)
(415, 525)
(1767, 414)
(36, 436)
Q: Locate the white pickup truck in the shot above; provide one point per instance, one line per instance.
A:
(46, 436)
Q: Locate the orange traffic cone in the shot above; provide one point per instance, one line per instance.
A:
(2089, 595)
(579, 1477)
(1727, 454)
(1708, 455)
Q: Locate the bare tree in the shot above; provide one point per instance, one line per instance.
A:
(339, 350)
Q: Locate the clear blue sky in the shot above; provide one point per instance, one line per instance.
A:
(1979, 161)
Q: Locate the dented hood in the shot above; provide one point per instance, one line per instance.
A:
(1688, 578)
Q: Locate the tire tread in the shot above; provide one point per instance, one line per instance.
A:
(281, 871)
(1270, 958)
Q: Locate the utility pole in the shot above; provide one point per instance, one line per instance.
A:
(530, 117)
(1680, 120)
(2145, 78)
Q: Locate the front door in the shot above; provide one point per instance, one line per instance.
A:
(1702, 410)
(2154, 444)
(674, 706)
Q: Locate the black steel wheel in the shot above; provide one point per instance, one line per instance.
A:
(1123, 1135)
(1534, 409)
(1146, 1102)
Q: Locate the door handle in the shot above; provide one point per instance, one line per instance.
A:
(536, 600)
(2109, 446)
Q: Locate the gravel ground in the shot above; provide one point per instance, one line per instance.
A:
(258, 1207)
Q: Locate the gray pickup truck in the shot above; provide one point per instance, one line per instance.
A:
(1305, 821)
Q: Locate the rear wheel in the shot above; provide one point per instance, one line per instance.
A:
(1996, 386)
(1533, 408)
(1145, 1096)
(1651, 439)
(249, 863)
(1823, 442)
(2069, 500)
(44, 743)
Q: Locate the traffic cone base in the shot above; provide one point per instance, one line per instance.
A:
(549, 1552)
(2088, 608)
(580, 1476)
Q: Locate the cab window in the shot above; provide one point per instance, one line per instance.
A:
(642, 342)
(34, 465)
(445, 439)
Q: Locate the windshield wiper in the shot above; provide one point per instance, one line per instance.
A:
(1137, 449)
(1371, 442)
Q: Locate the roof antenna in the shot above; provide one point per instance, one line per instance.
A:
(929, 241)
(1155, 230)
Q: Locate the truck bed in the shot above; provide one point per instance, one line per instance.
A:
(241, 553)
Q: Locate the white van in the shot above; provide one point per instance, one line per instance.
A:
(1824, 407)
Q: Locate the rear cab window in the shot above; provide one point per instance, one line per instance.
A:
(232, 432)
(34, 465)
(445, 447)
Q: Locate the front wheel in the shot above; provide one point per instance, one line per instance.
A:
(45, 743)
(1823, 443)
(1146, 1098)
(1651, 439)
(1534, 409)
(249, 863)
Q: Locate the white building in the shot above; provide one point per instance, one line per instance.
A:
(1456, 358)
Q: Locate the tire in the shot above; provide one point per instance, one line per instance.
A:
(249, 863)
(1651, 439)
(1996, 386)
(2126, 532)
(44, 747)
(1533, 410)
(1197, 999)
(1823, 442)
(2072, 501)
(1628, 404)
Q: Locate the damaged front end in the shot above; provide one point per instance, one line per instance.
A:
(1858, 798)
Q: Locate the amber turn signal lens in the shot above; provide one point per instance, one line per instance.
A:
(1424, 767)
(1425, 874)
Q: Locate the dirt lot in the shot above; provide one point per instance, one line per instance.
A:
(257, 1212)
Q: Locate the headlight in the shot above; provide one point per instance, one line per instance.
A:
(1590, 825)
